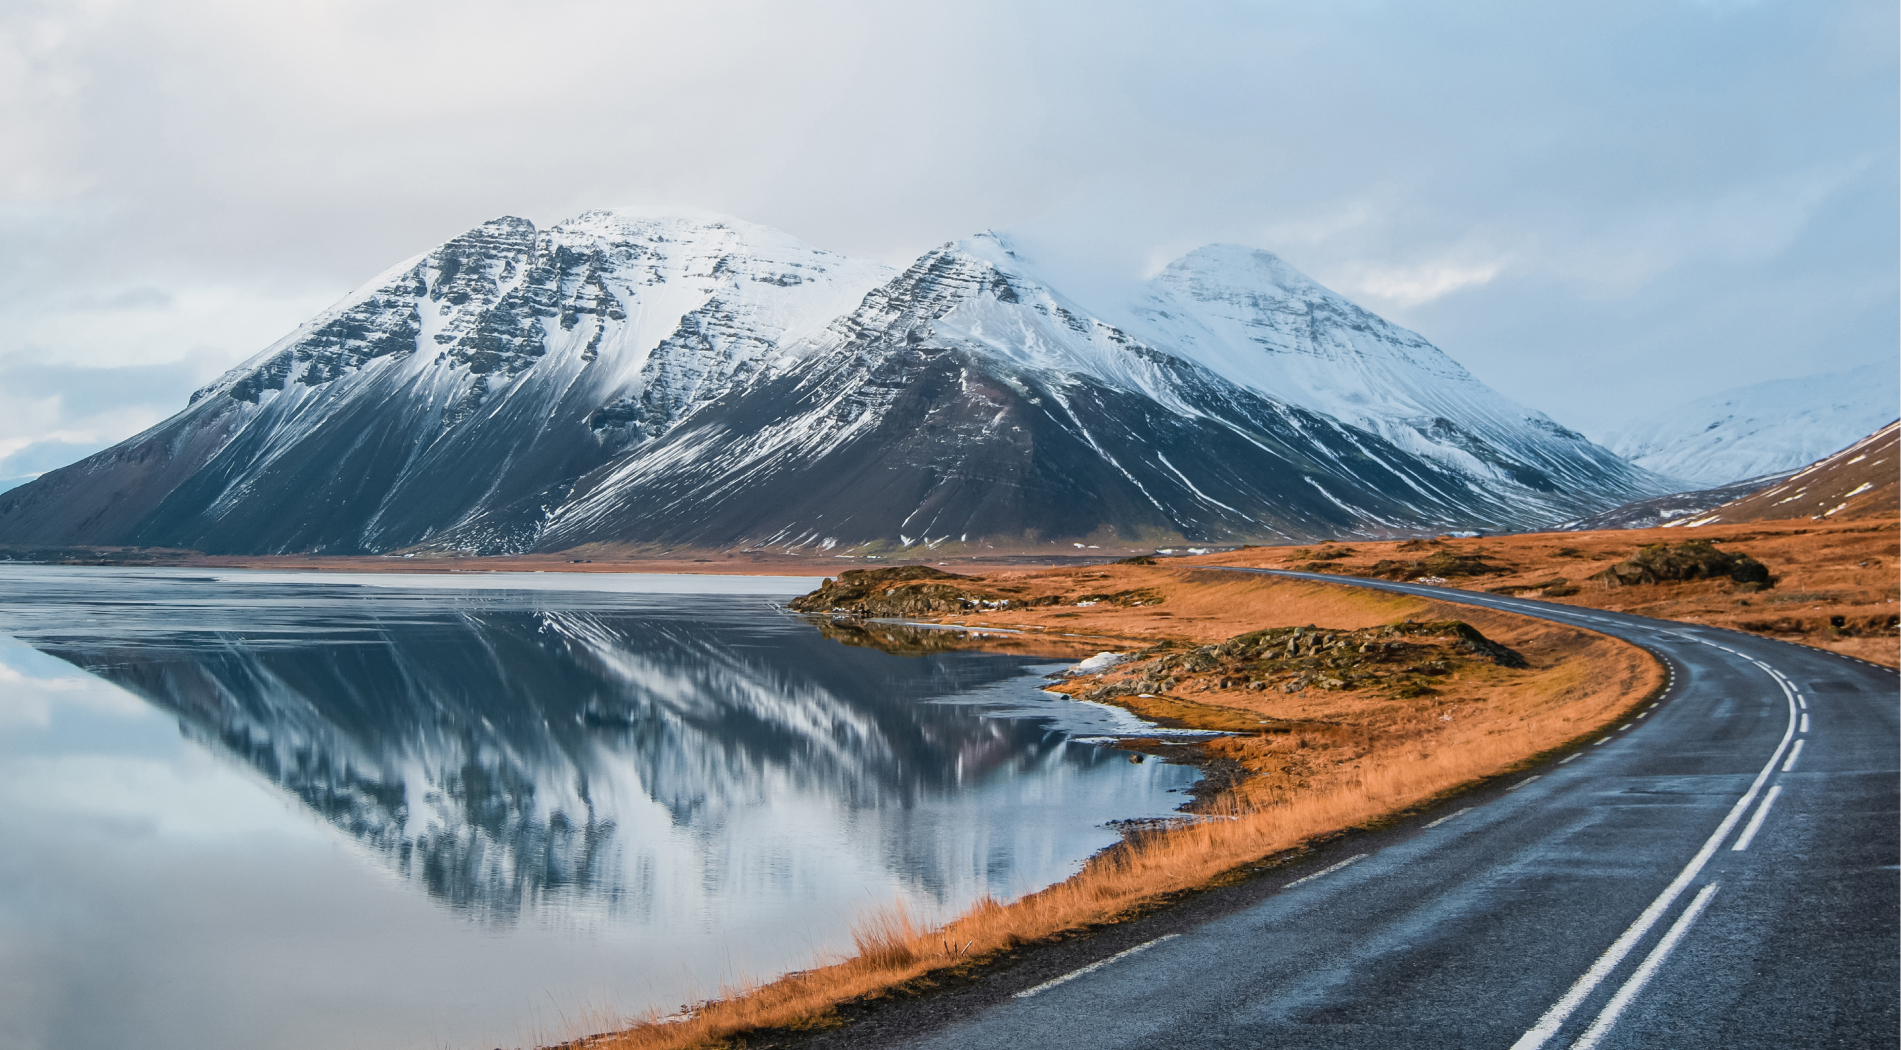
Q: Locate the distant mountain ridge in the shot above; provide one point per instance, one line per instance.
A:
(1764, 428)
(1676, 508)
(1861, 480)
(643, 376)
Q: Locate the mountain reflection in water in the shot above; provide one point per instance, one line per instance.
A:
(507, 748)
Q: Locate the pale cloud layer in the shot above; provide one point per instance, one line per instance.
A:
(1596, 207)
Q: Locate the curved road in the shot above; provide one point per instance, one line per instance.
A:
(1719, 872)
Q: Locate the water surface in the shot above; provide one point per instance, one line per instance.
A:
(276, 810)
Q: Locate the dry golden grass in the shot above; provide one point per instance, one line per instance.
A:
(1377, 758)
(1823, 569)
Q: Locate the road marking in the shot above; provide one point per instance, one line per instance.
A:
(1581, 989)
(1623, 727)
(1578, 755)
(1755, 822)
(1801, 701)
(1653, 705)
(1652, 962)
(1794, 753)
(1336, 867)
(1523, 782)
(1642, 714)
(1093, 967)
(1606, 740)
(1805, 722)
(1434, 824)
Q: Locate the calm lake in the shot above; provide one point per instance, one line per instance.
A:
(249, 809)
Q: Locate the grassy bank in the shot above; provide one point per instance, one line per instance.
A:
(1835, 583)
(1327, 758)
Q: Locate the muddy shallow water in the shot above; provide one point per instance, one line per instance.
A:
(273, 810)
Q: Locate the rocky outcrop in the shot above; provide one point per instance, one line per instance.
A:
(1441, 565)
(1405, 658)
(1691, 560)
(919, 590)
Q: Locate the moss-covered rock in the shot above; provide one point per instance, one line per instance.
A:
(855, 587)
(1444, 565)
(916, 590)
(1690, 560)
(1404, 657)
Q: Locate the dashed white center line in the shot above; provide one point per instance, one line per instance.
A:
(1329, 871)
(1573, 757)
(1623, 727)
(1805, 723)
(1606, 740)
(1522, 783)
(1554, 1018)
(1794, 753)
(1801, 701)
(1434, 824)
(1093, 967)
(1652, 962)
(1755, 822)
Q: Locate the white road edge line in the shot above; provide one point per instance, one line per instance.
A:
(1755, 822)
(1560, 1011)
(1652, 962)
(1329, 871)
(1794, 753)
(1093, 967)
(1434, 824)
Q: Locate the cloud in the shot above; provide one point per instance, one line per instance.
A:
(52, 414)
(1413, 285)
(1550, 193)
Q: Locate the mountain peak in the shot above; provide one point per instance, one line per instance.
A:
(1239, 267)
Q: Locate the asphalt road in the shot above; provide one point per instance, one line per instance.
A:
(1721, 872)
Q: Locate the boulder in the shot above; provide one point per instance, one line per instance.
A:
(1690, 560)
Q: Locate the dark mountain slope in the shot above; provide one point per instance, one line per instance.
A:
(921, 418)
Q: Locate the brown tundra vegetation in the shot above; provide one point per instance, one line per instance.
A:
(1828, 584)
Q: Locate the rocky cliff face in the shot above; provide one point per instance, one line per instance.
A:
(656, 377)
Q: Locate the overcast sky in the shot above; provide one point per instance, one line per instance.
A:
(1600, 208)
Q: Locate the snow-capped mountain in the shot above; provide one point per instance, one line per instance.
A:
(639, 376)
(480, 379)
(1764, 428)
(972, 398)
(1254, 320)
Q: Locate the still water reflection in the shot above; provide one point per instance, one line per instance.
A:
(251, 809)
